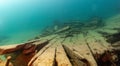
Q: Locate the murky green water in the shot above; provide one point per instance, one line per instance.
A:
(22, 20)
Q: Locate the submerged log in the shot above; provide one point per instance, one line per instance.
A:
(61, 57)
(10, 48)
(17, 47)
(63, 29)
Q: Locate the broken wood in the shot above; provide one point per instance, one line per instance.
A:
(41, 51)
(75, 58)
(61, 57)
(46, 59)
(63, 29)
(18, 47)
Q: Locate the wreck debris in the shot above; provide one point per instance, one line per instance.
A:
(61, 57)
(40, 52)
(73, 43)
(108, 58)
(16, 47)
(63, 29)
(46, 59)
(74, 27)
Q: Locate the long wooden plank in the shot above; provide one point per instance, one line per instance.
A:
(74, 56)
(61, 57)
(94, 45)
(12, 48)
(41, 51)
(108, 31)
(99, 38)
(82, 48)
(48, 37)
(46, 59)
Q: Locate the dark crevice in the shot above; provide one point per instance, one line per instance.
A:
(55, 62)
(90, 49)
(40, 46)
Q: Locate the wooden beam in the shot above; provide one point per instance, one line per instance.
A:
(41, 51)
(61, 57)
(46, 59)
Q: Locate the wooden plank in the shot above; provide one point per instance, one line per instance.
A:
(15, 45)
(64, 29)
(75, 57)
(67, 41)
(46, 59)
(12, 48)
(95, 46)
(39, 43)
(48, 37)
(41, 51)
(107, 30)
(74, 39)
(113, 22)
(61, 57)
(82, 48)
(99, 38)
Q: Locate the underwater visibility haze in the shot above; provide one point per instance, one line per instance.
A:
(22, 20)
